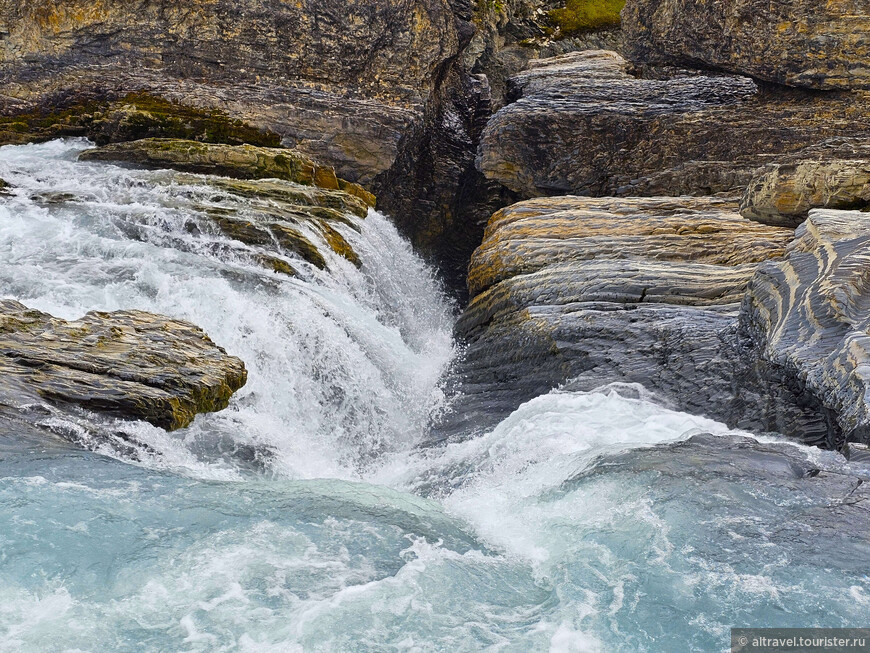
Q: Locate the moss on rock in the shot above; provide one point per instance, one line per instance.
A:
(586, 15)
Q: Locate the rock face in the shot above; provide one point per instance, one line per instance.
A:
(784, 193)
(582, 124)
(823, 45)
(609, 289)
(127, 363)
(668, 292)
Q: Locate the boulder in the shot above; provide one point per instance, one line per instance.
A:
(711, 312)
(820, 45)
(783, 194)
(128, 364)
(581, 123)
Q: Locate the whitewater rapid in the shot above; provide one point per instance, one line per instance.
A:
(308, 516)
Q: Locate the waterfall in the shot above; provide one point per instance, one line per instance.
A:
(314, 515)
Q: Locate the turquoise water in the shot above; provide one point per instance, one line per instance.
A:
(549, 532)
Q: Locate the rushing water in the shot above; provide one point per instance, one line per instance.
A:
(340, 532)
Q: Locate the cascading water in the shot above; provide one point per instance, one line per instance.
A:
(307, 517)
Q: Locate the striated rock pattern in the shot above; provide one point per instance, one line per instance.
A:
(130, 364)
(581, 124)
(783, 194)
(823, 45)
(538, 233)
(809, 319)
(240, 161)
(602, 290)
(682, 295)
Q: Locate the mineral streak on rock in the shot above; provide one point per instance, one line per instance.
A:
(582, 124)
(811, 43)
(809, 318)
(130, 364)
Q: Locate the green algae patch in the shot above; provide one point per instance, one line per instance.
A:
(579, 16)
(132, 117)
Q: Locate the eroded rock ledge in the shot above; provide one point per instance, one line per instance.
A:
(668, 292)
(128, 364)
(240, 161)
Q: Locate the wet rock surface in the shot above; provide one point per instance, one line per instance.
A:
(239, 161)
(823, 45)
(682, 295)
(128, 364)
(582, 124)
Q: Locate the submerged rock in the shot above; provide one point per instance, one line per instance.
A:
(825, 498)
(129, 364)
(823, 45)
(783, 194)
(275, 201)
(581, 123)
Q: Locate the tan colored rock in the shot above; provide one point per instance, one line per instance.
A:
(538, 233)
(130, 364)
(783, 194)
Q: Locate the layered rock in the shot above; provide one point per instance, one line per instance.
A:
(128, 364)
(609, 289)
(823, 45)
(581, 123)
(784, 193)
(808, 317)
(341, 82)
(682, 295)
